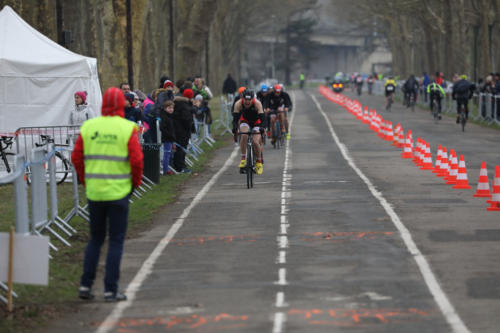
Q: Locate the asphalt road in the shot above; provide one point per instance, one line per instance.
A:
(338, 235)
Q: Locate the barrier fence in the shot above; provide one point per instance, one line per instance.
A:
(483, 107)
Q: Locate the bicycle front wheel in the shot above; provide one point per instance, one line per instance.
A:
(62, 168)
(249, 166)
(463, 120)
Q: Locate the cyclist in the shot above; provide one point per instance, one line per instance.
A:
(370, 81)
(463, 90)
(390, 89)
(289, 109)
(435, 91)
(359, 83)
(262, 95)
(277, 105)
(410, 88)
(248, 115)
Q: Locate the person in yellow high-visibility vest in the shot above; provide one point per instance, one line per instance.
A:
(109, 162)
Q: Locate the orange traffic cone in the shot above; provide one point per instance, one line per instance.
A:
(427, 164)
(396, 135)
(418, 158)
(444, 164)
(437, 166)
(366, 118)
(452, 178)
(462, 181)
(495, 200)
(483, 184)
(408, 150)
(389, 133)
(401, 139)
(381, 132)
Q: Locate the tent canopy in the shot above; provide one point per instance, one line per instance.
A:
(38, 77)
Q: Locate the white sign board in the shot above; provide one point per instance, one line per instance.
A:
(31, 259)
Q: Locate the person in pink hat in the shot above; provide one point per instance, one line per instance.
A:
(81, 111)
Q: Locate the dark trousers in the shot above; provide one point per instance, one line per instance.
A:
(180, 154)
(116, 212)
(436, 99)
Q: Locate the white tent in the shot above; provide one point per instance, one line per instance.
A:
(38, 77)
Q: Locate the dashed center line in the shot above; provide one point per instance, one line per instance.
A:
(286, 194)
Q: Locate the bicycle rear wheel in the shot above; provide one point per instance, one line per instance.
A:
(277, 132)
(463, 120)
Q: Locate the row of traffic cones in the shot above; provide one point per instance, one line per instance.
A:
(447, 166)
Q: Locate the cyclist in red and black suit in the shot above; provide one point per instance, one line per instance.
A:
(278, 104)
(248, 115)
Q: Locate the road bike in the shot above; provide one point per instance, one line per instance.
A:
(8, 157)
(61, 162)
(278, 136)
(412, 101)
(389, 102)
(435, 111)
(251, 159)
(463, 116)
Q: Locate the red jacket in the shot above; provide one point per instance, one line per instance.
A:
(113, 104)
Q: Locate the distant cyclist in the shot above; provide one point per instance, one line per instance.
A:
(390, 89)
(410, 89)
(248, 115)
(262, 95)
(463, 90)
(435, 92)
(277, 105)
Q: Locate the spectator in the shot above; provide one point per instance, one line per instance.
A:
(131, 112)
(110, 168)
(163, 78)
(180, 85)
(183, 123)
(81, 111)
(167, 134)
(425, 82)
(229, 86)
(200, 88)
(125, 87)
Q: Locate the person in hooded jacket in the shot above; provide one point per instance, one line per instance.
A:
(81, 111)
(183, 124)
(109, 162)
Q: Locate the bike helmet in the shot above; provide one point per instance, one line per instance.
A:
(241, 90)
(463, 77)
(277, 88)
(264, 87)
(248, 94)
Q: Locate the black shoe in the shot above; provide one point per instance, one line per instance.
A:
(85, 293)
(114, 297)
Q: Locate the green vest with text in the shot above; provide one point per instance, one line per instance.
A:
(105, 151)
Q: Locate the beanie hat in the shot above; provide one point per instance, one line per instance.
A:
(130, 97)
(188, 93)
(82, 94)
(198, 97)
(168, 83)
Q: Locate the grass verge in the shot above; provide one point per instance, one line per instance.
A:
(37, 305)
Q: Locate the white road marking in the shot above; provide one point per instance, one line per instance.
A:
(279, 319)
(430, 279)
(281, 257)
(283, 242)
(280, 300)
(147, 267)
(284, 228)
(281, 277)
